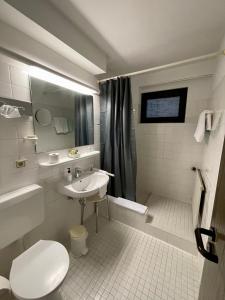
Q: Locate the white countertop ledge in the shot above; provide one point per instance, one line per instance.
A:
(64, 160)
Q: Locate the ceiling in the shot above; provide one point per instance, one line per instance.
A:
(138, 34)
(41, 21)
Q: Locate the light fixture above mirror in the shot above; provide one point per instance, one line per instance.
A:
(59, 80)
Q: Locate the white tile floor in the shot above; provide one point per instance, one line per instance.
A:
(172, 216)
(124, 263)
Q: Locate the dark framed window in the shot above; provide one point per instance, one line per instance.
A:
(167, 106)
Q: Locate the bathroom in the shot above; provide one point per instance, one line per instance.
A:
(66, 70)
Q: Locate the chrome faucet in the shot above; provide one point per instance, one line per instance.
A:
(77, 172)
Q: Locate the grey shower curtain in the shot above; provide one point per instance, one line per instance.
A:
(118, 153)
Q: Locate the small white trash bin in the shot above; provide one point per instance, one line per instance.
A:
(78, 237)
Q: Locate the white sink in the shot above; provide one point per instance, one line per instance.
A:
(85, 186)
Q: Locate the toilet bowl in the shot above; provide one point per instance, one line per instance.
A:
(39, 271)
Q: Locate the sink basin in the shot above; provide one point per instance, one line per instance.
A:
(86, 185)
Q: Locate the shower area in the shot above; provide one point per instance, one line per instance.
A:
(167, 200)
(170, 180)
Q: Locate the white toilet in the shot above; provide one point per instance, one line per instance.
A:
(40, 270)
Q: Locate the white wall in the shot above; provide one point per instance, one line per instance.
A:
(167, 151)
(60, 212)
(14, 84)
(214, 144)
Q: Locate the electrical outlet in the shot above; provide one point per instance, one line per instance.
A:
(21, 163)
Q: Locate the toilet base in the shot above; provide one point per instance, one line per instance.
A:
(56, 295)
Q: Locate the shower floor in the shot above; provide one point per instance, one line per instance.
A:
(174, 217)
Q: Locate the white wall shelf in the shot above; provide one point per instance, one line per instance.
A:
(65, 160)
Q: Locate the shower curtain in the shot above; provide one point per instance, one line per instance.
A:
(118, 153)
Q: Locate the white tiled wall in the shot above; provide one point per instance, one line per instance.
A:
(60, 212)
(214, 143)
(14, 82)
(167, 151)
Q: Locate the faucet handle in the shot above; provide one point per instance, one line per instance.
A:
(78, 169)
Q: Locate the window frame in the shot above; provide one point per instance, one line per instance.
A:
(179, 92)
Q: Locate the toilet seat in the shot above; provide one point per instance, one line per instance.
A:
(39, 270)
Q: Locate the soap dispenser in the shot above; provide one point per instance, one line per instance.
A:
(69, 175)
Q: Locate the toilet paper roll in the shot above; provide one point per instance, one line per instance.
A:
(4, 284)
(53, 158)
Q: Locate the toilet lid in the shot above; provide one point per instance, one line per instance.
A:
(39, 270)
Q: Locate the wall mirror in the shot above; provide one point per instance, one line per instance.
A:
(62, 118)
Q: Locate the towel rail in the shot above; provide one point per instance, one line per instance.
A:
(195, 169)
(198, 203)
(19, 107)
(26, 107)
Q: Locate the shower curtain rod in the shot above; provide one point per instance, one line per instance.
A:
(174, 64)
